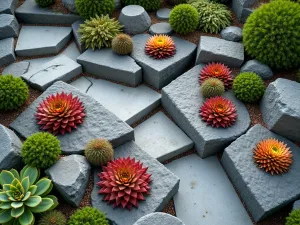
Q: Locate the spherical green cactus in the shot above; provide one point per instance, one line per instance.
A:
(88, 216)
(293, 218)
(176, 2)
(98, 152)
(53, 217)
(45, 3)
(148, 5)
(122, 44)
(212, 87)
(88, 9)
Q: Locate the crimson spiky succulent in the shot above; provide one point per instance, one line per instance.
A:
(273, 156)
(218, 112)
(60, 113)
(160, 46)
(124, 182)
(217, 70)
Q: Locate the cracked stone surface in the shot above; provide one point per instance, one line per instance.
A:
(163, 14)
(42, 40)
(158, 218)
(9, 26)
(61, 68)
(17, 69)
(161, 28)
(8, 6)
(129, 104)
(98, 122)
(182, 99)
(163, 187)
(262, 193)
(77, 35)
(7, 53)
(259, 68)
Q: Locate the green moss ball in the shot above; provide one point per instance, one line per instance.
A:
(88, 216)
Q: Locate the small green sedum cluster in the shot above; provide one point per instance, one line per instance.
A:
(88, 9)
(88, 216)
(45, 3)
(148, 5)
(293, 218)
(53, 217)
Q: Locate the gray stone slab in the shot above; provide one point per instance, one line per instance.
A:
(129, 104)
(232, 33)
(106, 64)
(9, 26)
(77, 35)
(42, 40)
(280, 108)
(30, 13)
(158, 218)
(163, 14)
(61, 68)
(212, 49)
(206, 195)
(182, 99)
(262, 193)
(7, 53)
(161, 28)
(163, 187)
(161, 138)
(8, 6)
(159, 73)
(296, 205)
(259, 68)
(10, 149)
(16, 69)
(70, 176)
(98, 122)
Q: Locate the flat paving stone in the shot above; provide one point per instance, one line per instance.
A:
(9, 26)
(127, 103)
(59, 69)
(98, 122)
(159, 73)
(161, 138)
(182, 100)
(164, 186)
(8, 6)
(7, 53)
(30, 13)
(206, 195)
(77, 35)
(158, 218)
(16, 69)
(161, 28)
(104, 63)
(42, 40)
(163, 14)
(262, 193)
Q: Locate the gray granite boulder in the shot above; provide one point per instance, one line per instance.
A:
(70, 5)
(10, 149)
(161, 28)
(164, 186)
(281, 109)
(240, 8)
(163, 14)
(135, 19)
(232, 34)
(8, 6)
(212, 49)
(159, 218)
(259, 68)
(98, 122)
(262, 193)
(17, 69)
(7, 53)
(70, 176)
(182, 100)
(77, 35)
(296, 205)
(9, 26)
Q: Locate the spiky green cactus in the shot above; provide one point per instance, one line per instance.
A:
(99, 151)
(53, 217)
(212, 87)
(122, 44)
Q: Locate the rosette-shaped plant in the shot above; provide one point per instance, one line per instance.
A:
(98, 152)
(124, 182)
(218, 112)
(88, 216)
(91, 8)
(24, 194)
(148, 5)
(293, 218)
(45, 3)
(273, 156)
(53, 217)
(212, 87)
(122, 44)
(60, 113)
(160, 46)
(99, 32)
(219, 71)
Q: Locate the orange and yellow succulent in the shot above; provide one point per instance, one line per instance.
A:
(160, 47)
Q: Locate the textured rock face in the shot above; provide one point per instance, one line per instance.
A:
(135, 19)
(7, 53)
(70, 5)
(98, 122)
(163, 186)
(296, 205)
(281, 109)
(77, 35)
(163, 14)
(262, 193)
(9, 26)
(8, 6)
(70, 176)
(16, 69)
(232, 33)
(161, 28)
(212, 49)
(240, 8)
(182, 99)
(158, 219)
(10, 149)
(259, 68)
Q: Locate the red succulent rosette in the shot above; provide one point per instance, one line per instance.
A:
(160, 47)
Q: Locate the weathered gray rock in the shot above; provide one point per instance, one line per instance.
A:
(296, 205)
(77, 35)
(16, 69)
(158, 218)
(70, 176)
(7, 53)
(163, 14)
(164, 186)
(161, 28)
(42, 40)
(9, 26)
(10, 149)
(98, 122)
(259, 68)
(212, 49)
(232, 34)
(280, 108)
(262, 193)
(182, 99)
(106, 64)
(159, 73)
(135, 19)
(8, 6)
(241, 7)
(61, 68)
(118, 4)
(70, 5)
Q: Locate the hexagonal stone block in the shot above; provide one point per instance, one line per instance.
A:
(10, 149)
(98, 122)
(16, 69)
(159, 73)
(163, 14)
(7, 53)
(163, 187)
(232, 33)
(280, 108)
(161, 28)
(9, 26)
(158, 218)
(264, 71)
(262, 193)
(182, 99)
(8, 6)
(77, 35)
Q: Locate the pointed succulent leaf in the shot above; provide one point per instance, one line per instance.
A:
(16, 213)
(45, 205)
(26, 218)
(22, 171)
(42, 186)
(25, 184)
(20, 187)
(9, 193)
(48, 191)
(16, 205)
(5, 205)
(33, 201)
(55, 201)
(27, 195)
(14, 182)
(5, 216)
(6, 187)
(15, 173)
(3, 197)
(32, 173)
(32, 189)
(6, 177)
